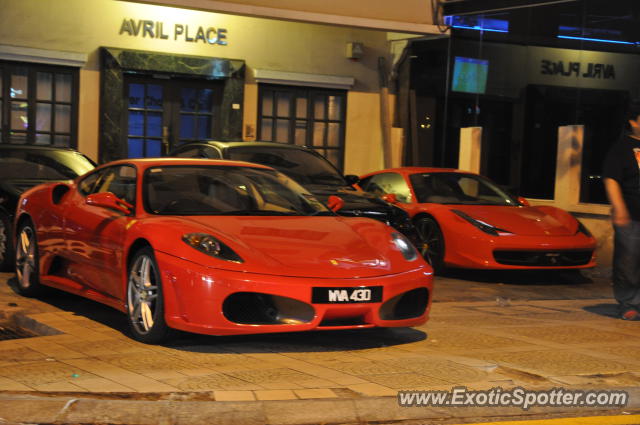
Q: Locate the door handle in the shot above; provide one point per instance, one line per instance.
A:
(165, 140)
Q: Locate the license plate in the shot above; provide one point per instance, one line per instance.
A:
(349, 295)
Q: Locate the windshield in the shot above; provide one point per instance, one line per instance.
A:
(225, 190)
(304, 167)
(458, 188)
(33, 164)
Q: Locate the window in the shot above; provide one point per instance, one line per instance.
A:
(381, 184)
(120, 180)
(305, 117)
(163, 114)
(196, 152)
(145, 120)
(38, 104)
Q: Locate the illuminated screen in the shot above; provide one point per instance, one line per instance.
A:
(470, 75)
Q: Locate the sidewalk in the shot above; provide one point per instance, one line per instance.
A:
(320, 377)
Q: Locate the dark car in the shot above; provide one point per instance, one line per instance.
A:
(311, 170)
(21, 168)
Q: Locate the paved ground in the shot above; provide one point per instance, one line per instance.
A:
(535, 330)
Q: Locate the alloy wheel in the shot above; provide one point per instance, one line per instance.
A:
(26, 257)
(431, 242)
(143, 294)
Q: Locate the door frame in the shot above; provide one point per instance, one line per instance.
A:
(115, 63)
(172, 107)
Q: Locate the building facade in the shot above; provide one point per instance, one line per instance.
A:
(529, 93)
(127, 79)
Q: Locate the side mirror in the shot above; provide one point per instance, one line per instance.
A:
(335, 203)
(108, 200)
(523, 201)
(390, 198)
(351, 179)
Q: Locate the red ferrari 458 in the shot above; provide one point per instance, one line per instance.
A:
(215, 247)
(465, 220)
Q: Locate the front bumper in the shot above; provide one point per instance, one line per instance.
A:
(513, 252)
(211, 301)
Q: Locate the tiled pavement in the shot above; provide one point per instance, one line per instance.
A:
(535, 344)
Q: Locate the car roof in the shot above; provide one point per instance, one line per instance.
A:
(36, 148)
(233, 144)
(152, 162)
(418, 170)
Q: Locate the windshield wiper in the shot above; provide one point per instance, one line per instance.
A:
(259, 212)
(325, 177)
(322, 213)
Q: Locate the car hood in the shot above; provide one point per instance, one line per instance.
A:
(526, 221)
(322, 247)
(357, 203)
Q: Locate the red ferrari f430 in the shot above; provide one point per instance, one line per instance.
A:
(215, 247)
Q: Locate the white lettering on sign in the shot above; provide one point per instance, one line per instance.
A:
(156, 29)
(575, 69)
(342, 295)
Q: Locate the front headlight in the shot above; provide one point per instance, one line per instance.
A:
(404, 246)
(485, 227)
(209, 245)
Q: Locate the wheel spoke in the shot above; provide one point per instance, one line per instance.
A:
(146, 271)
(25, 279)
(24, 242)
(136, 279)
(136, 315)
(147, 316)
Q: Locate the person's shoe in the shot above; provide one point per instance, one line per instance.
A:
(631, 315)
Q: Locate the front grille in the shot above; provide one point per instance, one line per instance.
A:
(543, 258)
(252, 308)
(407, 305)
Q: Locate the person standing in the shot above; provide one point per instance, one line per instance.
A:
(622, 183)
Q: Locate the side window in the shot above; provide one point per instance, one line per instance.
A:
(86, 185)
(209, 152)
(381, 184)
(121, 181)
(193, 152)
(364, 183)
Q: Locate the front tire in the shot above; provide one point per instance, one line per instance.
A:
(145, 302)
(431, 243)
(27, 262)
(6, 253)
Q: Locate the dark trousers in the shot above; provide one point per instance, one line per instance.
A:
(626, 265)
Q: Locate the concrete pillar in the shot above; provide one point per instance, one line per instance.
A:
(470, 149)
(397, 146)
(569, 165)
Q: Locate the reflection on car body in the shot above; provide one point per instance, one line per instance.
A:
(24, 166)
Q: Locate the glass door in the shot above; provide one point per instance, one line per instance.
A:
(145, 119)
(162, 114)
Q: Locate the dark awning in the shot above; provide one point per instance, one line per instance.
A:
(464, 7)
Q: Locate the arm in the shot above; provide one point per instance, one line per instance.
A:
(619, 213)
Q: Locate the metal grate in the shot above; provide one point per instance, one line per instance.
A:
(8, 333)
